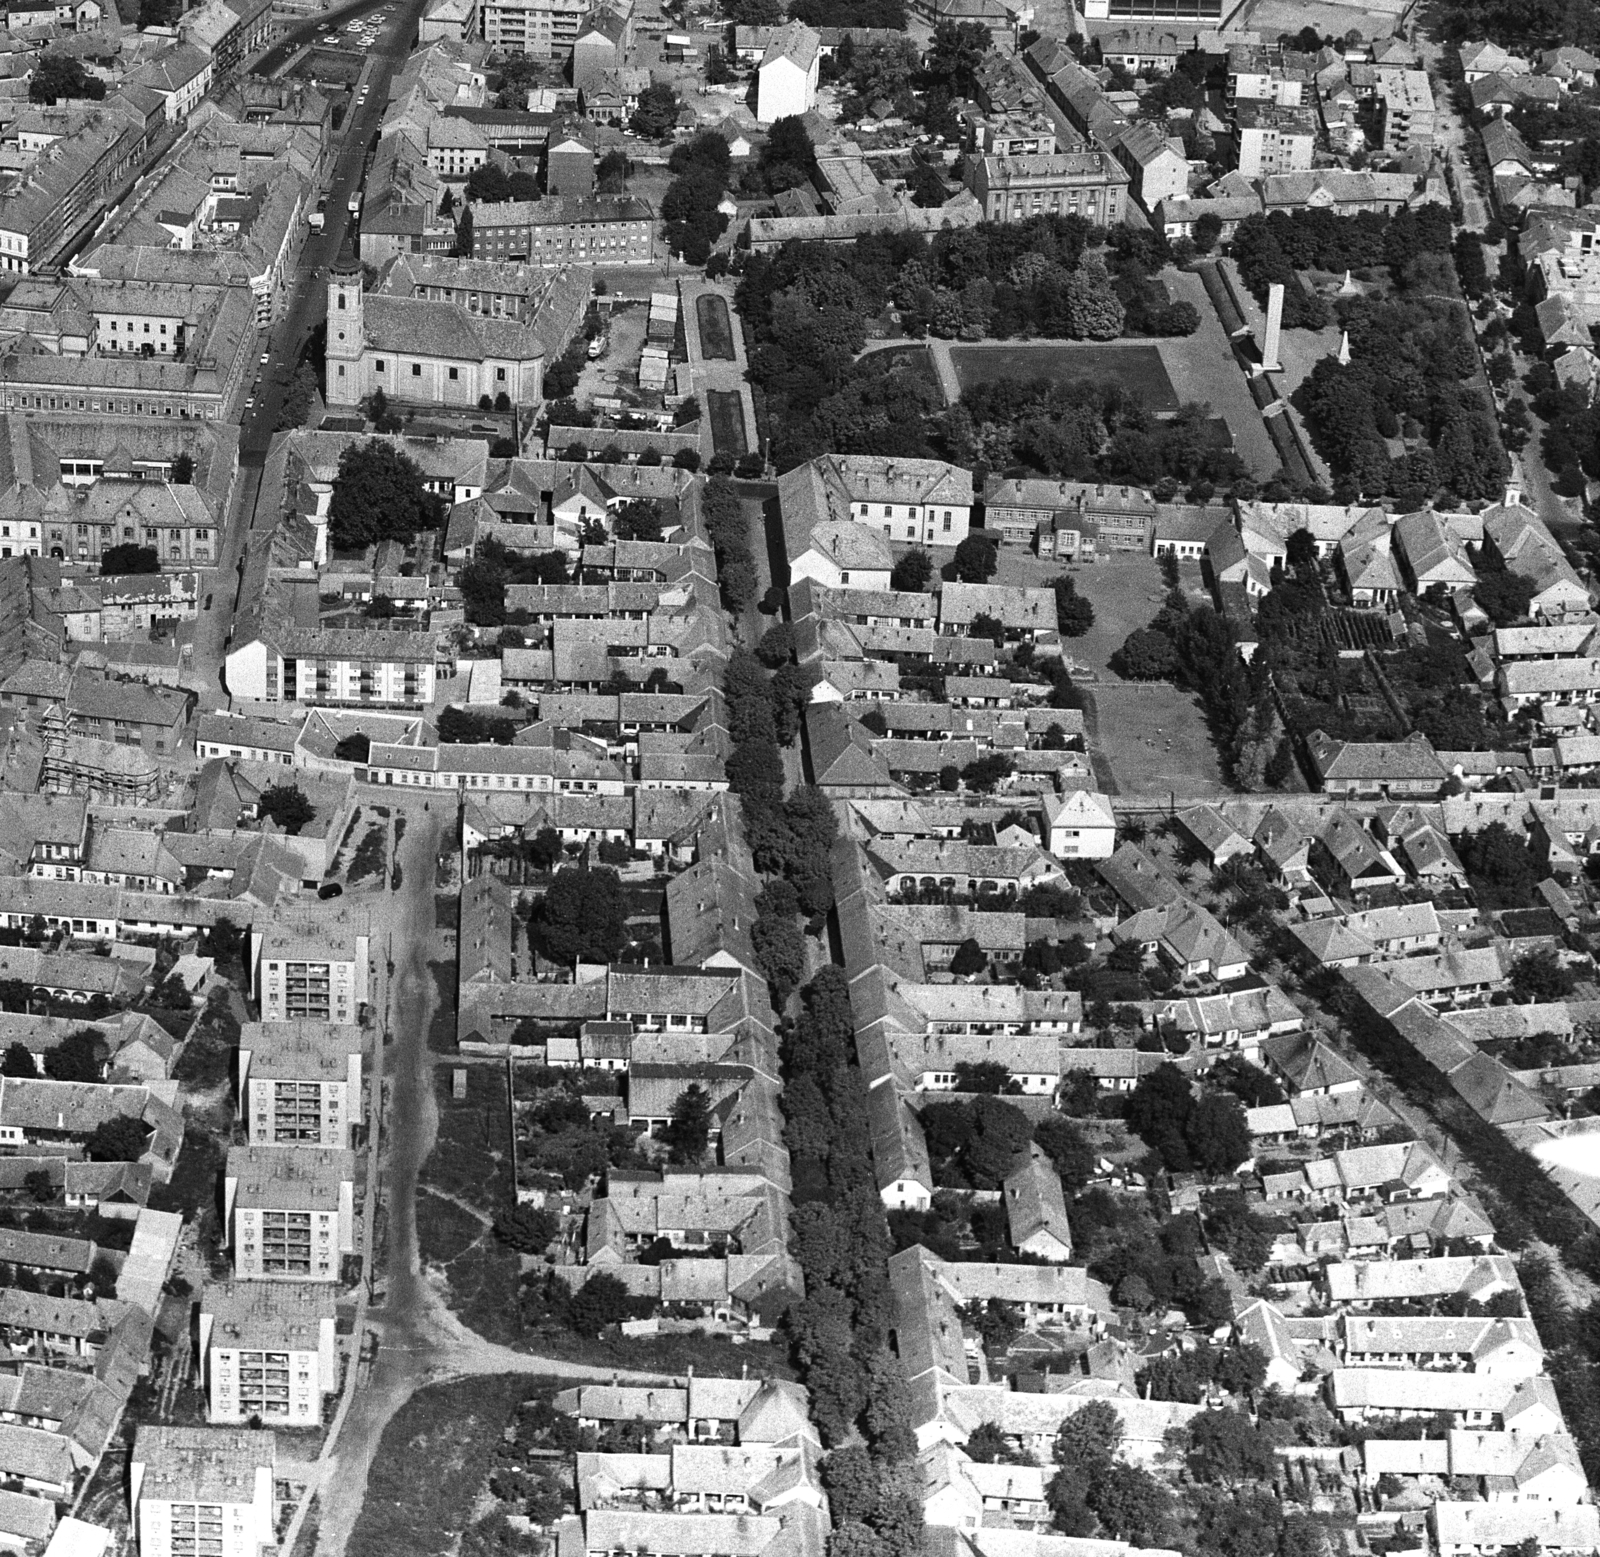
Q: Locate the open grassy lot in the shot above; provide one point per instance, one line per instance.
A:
(427, 1478)
(1150, 739)
(1133, 366)
(465, 1183)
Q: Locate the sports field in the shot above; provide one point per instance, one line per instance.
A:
(1133, 366)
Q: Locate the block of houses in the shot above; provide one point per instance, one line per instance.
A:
(1498, 1348)
(1355, 1283)
(1036, 1210)
(1309, 1066)
(1189, 938)
(1376, 769)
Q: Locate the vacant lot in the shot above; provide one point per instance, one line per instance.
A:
(1150, 739)
(427, 1478)
(465, 1183)
(716, 328)
(1133, 366)
(1144, 739)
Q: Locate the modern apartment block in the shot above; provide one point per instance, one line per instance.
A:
(203, 1491)
(291, 1212)
(300, 1082)
(268, 1351)
(313, 970)
(541, 29)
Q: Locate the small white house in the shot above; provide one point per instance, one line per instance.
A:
(1081, 825)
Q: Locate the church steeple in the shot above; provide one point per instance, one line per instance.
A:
(346, 331)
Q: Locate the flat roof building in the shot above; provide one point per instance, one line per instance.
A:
(290, 1210)
(203, 1490)
(267, 1350)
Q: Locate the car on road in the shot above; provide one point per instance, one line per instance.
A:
(266, 357)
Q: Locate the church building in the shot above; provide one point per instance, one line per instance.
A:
(424, 351)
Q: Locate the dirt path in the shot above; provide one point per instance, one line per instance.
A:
(420, 1341)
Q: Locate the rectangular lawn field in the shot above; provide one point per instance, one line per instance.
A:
(727, 422)
(716, 328)
(1135, 367)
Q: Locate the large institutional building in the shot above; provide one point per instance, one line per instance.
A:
(420, 350)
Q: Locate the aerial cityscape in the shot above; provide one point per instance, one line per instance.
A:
(799, 778)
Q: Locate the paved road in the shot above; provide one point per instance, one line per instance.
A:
(290, 337)
(420, 1341)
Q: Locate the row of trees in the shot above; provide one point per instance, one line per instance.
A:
(1315, 238)
(1086, 431)
(841, 1240)
(729, 534)
(790, 840)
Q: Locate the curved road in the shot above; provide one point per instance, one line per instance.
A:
(421, 1341)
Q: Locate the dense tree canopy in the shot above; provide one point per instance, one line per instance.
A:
(57, 76)
(379, 495)
(582, 917)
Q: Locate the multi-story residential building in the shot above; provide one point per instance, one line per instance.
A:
(1273, 139)
(455, 148)
(300, 1082)
(314, 969)
(908, 499)
(1406, 99)
(290, 1211)
(180, 78)
(127, 712)
(67, 185)
(787, 75)
(1020, 134)
(540, 29)
(565, 230)
(229, 33)
(1156, 164)
(1090, 184)
(203, 1492)
(336, 666)
(268, 1352)
(449, 21)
